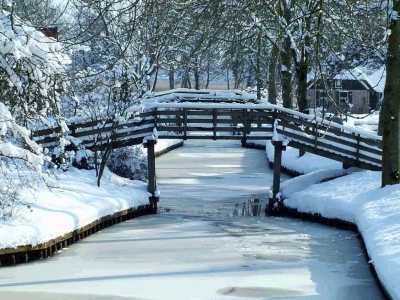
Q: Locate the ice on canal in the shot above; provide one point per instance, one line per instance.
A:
(208, 242)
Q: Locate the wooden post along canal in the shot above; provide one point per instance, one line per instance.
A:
(149, 144)
(274, 202)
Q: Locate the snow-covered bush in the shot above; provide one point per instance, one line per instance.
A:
(84, 159)
(129, 162)
(31, 66)
(10, 134)
(12, 205)
(21, 165)
(107, 95)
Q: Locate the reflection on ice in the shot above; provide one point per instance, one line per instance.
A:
(259, 292)
(253, 207)
(249, 208)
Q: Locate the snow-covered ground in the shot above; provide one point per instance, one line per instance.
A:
(77, 202)
(365, 122)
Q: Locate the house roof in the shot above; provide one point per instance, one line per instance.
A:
(375, 78)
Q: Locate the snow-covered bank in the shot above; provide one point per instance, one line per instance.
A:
(306, 164)
(75, 204)
(356, 198)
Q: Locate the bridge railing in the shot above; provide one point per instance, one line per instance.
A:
(200, 121)
(209, 120)
(316, 135)
(97, 133)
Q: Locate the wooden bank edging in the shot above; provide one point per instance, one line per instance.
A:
(27, 253)
(168, 149)
(22, 254)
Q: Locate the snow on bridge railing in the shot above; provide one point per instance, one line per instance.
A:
(312, 119)
(204, 94)
(319, 120)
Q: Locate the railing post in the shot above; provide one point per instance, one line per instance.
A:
(185, 124)
(72, 127)
(259, 119)
(274, 117)
(274, 202)
(214, 124)
(316, 135)
(155, 111)
(244, 142)
(151, 173)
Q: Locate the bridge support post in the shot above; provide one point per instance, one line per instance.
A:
(185, 124)
(274, 203)
(151, 173)
(346, 166)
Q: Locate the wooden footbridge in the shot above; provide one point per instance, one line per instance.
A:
(205, 114)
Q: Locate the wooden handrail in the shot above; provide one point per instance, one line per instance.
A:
(253, 121)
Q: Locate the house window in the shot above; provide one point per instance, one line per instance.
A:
(343, 99)
(322, 99)
(338, 83)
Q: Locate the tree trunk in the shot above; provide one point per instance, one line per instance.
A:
(258, 67)
(103, 163)
(302, 71)
(237, 71)
(227, 77)
(272, 74)
(96, 160)
(250, 76)
(380, 125)
(186, 79)
(391, 107)
(208, 74)
(171, 76)
(287, 75)
(155, 81)
(196, 78)
(286, 57)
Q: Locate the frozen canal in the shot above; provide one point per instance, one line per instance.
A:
(201, 246)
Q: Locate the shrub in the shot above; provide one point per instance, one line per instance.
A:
(12, 182)
(129, 162)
